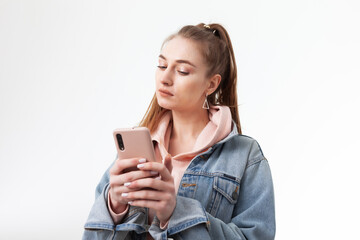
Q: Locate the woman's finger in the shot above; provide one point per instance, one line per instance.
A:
(127, 178)
(163, 209)
(157, 167)
(121, 164)
(116, 200)
(151, 195)
(119, 190)
(152, 183)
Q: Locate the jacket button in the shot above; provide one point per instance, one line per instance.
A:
(234, 195)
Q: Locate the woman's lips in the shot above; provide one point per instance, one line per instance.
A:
(165, 93)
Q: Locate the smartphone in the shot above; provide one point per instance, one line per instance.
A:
(134, 142)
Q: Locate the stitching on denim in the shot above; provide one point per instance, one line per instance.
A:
(186, 225)
(255, 161)
(229, 198)
(100, 226)
(216, 200)
(134, 227)
(188, 184)
(215, 174)
(225, 194)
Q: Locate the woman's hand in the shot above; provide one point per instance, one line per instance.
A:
(155, 193)
(119, 176)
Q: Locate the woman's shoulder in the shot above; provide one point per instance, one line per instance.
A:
(244, 146)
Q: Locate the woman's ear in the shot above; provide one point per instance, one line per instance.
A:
(214, 82)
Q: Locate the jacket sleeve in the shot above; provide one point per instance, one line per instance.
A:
(99, 224)
(253, 217)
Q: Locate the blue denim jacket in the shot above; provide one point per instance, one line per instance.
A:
(225, 193)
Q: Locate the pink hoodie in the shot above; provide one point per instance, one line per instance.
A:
(217, 129)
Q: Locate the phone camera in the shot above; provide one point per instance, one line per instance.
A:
(120, 142)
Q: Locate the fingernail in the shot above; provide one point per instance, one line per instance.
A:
(154, 172)
(124, 194)
(130, 202)
(142, 160)
(127, 184)
(140, 165)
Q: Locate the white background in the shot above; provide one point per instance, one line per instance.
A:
(72, 71)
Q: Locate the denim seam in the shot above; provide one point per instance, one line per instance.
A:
(216, 174)
(236, 180)
(133, 226)
(102, 226)
(255, 161)
(232, 201)
(184, 226)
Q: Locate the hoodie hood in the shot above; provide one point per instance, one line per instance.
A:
(216, 129)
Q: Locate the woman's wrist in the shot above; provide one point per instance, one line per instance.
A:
(163, 226)
(116, 206)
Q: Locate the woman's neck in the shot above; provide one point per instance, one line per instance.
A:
(188, 125)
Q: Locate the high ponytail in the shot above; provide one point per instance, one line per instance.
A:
(223, 63)
(218, 53)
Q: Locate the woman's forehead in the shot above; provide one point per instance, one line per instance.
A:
(182, 48)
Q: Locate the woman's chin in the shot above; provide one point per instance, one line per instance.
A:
(165, 105)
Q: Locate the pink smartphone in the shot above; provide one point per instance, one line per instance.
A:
(134, 142)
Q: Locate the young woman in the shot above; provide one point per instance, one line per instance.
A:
(211, 182)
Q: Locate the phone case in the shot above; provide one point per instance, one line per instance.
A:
(136, 142)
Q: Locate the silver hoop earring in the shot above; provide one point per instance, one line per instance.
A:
(206, 104)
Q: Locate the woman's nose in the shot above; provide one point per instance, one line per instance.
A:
(166, 77)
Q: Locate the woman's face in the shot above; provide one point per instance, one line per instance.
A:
(181, 82)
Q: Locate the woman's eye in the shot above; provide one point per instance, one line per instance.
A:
(161, 67)
(183, 73)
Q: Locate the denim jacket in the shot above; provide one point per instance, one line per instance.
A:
(225, 193)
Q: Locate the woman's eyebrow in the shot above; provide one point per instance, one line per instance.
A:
(179, 61)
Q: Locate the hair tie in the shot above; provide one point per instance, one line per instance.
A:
(214, 31)
(207, 26)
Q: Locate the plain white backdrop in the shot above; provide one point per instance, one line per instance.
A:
(72, 71)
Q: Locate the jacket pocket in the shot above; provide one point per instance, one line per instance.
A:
(224, 196)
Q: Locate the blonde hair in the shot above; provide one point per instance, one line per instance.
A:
(217, 51)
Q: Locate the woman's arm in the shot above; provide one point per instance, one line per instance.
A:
(100, 223)
(253, 215)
